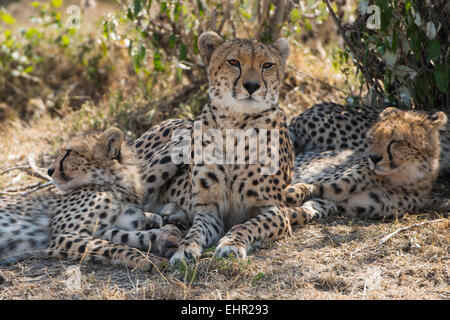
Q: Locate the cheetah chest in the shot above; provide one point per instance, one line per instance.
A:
(241, 170)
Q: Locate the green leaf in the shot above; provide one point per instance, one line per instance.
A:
(137, 7)
(441, 72)
(176, 11)
(33, 33)
(65, 40)
(245, 14)
(28, 69)
(423, 85)
(381, 3)
(408, 6)
(201, 8)
(157, 61)
(130, 15)
(57, 3)
(141, 54)
(295, 15)
(433, 50)
(183, 52)
(386, 17)
(172, 41)
(6, 18)
(394, 41)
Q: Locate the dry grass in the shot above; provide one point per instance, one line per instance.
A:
(337, 258)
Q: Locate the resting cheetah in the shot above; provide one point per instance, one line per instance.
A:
(235, 202)
(330, 126)
(98, 216)
(396, 177)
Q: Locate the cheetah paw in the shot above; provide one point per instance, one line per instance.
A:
(171, 213)
(153, 221)
(226, 251)
(166, 241)
(148, 264)
(186, 255)
(296, 194)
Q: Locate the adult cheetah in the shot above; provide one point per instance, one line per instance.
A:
(394, 178)
(97, 216)
(225, 200)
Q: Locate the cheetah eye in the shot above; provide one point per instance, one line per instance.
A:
(268, 65)
(369, 139)
(234, 63)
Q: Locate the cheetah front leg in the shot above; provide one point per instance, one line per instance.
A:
(163, 242)
(76, 247)
(134, 218)
(311, 210)
(272, 223)
(337, 186)
(174, 214)
(206, 230)
(439, 204)
(159, 168)
(378, 203)
(296, 193)
(302, 211)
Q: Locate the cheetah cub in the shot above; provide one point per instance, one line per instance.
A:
(396, 177)
(96, 215)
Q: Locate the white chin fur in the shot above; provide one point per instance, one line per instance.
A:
(64, 187)
(241, 106)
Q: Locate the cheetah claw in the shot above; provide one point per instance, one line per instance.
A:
(153, 220)
(226, 251)
(185, 255)
(173, 214)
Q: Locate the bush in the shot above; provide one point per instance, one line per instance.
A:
(403, 52)
(49, 64)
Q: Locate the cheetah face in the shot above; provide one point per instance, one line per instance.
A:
(244, 75)
(401, 139)
(85, 161)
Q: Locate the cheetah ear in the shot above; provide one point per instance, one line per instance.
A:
(438, 120)
(389, 111)
(207, 43)
(109, 144)
(282, 47)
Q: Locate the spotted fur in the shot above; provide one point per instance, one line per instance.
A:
(330, 126)
(231, 205)
(395, 176)
(97, 216)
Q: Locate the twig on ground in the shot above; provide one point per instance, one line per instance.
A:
(14, 168)
(33, 187)
(35, 171)
(30, 169)
(390, 235)
(19, 189)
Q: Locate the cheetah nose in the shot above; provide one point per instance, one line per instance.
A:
(50, 171)
(375, 158)
(251, 86)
